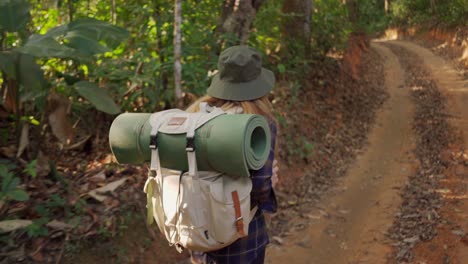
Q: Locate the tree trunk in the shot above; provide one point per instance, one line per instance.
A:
(387, 6)
(70, 10)
(307, 20)
(433, 7)
(235, 21)
(177, 50)
(353, 11)
(113, 12)
(296, 25)
(163, 76)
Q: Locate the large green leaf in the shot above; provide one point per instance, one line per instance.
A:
(14, 14)
(8, 63)
(97, 96)
(85, 45)
(57, 31)
(31, 77)
(83, 37)
(98, 30)
(19, 195)
(24, 69)
(45, 46)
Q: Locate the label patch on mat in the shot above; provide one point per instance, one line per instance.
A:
(176, 121)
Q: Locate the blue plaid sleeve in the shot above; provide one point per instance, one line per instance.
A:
(262, 193)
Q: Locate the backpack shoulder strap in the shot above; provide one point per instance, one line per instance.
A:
(156, 123)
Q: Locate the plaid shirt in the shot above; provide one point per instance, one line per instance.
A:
(251, 249)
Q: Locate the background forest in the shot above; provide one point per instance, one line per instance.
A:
(67, 68)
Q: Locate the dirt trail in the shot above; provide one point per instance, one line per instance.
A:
(455, 89)
(351, 224)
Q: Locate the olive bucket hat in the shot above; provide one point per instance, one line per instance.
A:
(241, 76)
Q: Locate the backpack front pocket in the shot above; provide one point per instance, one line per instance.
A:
(223, 208)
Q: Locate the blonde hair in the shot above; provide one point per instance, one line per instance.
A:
(260, 106)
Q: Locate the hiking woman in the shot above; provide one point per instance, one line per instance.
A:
(241, 86)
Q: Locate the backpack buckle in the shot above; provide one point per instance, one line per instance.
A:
(153, 142)
(190, 145)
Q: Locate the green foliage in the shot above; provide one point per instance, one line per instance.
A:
(45, 46)
(138, 75)
(453, 12)
(30, 169)
(79, 39)
(413, 12)
(10, 189)
(330, 26)
(372, 17)
(7, 63)
(98, 97)
(14, 15)
(38, 228)
(77, 42)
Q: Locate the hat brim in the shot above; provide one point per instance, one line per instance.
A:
(243, 91)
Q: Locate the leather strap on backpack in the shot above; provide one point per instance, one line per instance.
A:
(239, 218)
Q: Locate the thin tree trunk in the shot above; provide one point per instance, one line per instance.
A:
(387, 6)
(177, 50)
(163, 77)
(70, 10)
(353, 11)
(113, 12)
(308, 4)
(236, 20)
(433, 7)
(296, 25)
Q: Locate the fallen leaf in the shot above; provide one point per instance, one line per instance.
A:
(278, 240)
(97, 193)
(460, 233)
(24, 140)
(84, 188)
(314, 216)
(58, 118)
(9, 151)
(111, 203)
(79, 144)
(17, 255)
(344, 211)
(108, 159)
(55, 224)
(42, 165)
(38, 256)
(12, 225)
(411, 240)
(99, 177)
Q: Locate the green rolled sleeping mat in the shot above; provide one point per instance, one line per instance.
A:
(231, 144)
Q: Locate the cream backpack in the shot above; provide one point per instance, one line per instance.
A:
(197, 210)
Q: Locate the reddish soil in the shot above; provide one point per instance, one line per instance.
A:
(450, 244)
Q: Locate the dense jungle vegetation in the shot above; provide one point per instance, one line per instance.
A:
(67, 68)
